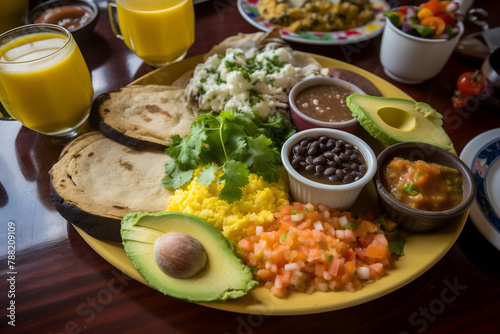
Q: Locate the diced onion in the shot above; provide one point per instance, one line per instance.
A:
(291, 266)
(343, 222)
(317, 225)
(258, 230)
(363, 273)
(297, 217)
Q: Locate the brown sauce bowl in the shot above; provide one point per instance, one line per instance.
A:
(61, 11)
(303, 121)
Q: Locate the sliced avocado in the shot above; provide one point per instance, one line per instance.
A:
(224, 277)
(393, 120)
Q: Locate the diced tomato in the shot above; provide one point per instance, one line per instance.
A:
(436, 23)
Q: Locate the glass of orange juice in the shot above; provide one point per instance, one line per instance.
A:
(44, 80)
(158, 31)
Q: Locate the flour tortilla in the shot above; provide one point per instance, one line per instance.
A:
(97, 181)
(142, 116)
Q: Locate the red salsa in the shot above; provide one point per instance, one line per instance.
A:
(422, 185)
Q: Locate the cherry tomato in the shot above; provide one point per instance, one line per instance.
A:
(470, 83)
(458, 100)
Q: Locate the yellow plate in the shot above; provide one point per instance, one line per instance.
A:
(422, 250)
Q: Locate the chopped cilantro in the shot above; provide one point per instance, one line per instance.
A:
(397, 246)
(254, 97)
(411, 189)
(236, 143)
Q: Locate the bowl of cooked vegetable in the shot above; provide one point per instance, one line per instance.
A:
(327, 166)
(421, 186)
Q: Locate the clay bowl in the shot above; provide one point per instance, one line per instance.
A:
(412, 219)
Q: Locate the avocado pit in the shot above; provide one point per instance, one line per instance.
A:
(179, 255)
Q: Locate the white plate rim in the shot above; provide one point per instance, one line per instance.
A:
(292, 37)
(469, 155)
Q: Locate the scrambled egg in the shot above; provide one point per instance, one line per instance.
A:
(260, 200)
(317, 15)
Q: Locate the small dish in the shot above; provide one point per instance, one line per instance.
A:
(66, 13)
(337, 196)
(303, 121)
(249, 10)
(482, 155)
(412, 219)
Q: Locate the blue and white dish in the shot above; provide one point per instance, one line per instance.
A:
(482, 155)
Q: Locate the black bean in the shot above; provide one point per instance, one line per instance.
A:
(319, 160)
(333, 178)
(339, 173)
(331, 163)
(337, 159)
(310, 168)
(295, 163)
(348, 178)
(313, 151)
(349, 146)
(337, 150)
(320, 169)
(329, 171)
(300, 158)
(355, 166)
(303, 163)
(300, 150)
(304, 142)
(343, 156)
(347, 170)
(323, 139)
(349, 152)
(318, 174)
(328, 155)
(309, 159)
(330, 144)
(322, 147)
(355, 158)
(362, 168)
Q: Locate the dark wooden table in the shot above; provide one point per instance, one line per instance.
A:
(62, 286)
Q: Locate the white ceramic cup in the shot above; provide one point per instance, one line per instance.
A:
(412, 60)
(337, 196)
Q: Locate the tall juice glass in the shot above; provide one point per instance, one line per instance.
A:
(12, 13)
(44, 80)
(158, 31)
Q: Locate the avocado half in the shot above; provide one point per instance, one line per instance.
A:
(224, 277)
(393, 120)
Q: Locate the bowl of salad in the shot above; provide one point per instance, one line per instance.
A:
(418, 40)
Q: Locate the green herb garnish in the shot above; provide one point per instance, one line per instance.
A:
(412, 189)
(231, 142)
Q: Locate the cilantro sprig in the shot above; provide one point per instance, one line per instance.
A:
(231, 142)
